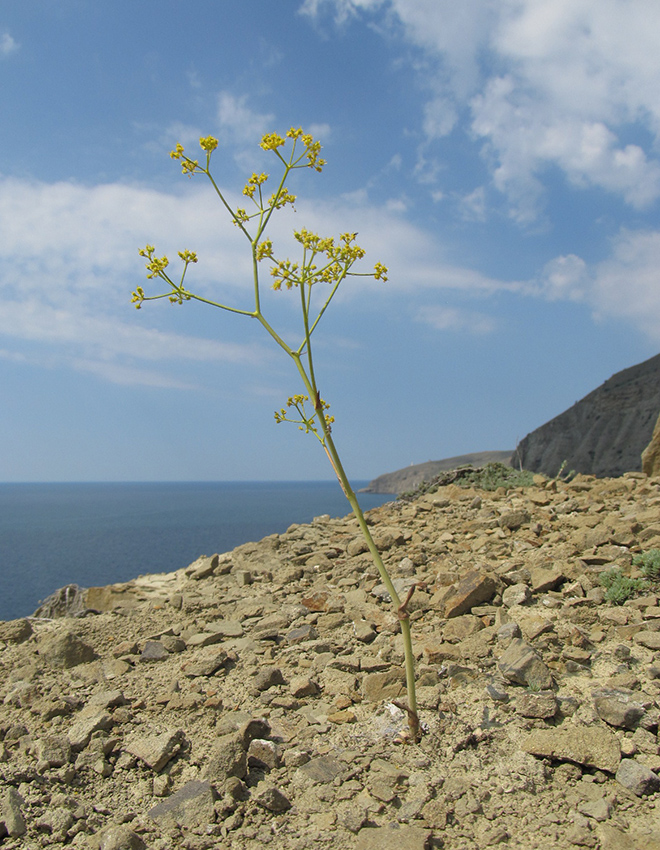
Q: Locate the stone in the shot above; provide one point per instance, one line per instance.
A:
(117, 837)
(520, 663)
(65, 650)
(542, 706)
(271, 798)
(356, 547)
(513, 520)
(226, 628)
(517, 594)
(651, 454)
(542, 580)
(86, 723)
(266, 677)
(591, 746)
(612, 838)
(154, 650)
(384, 686)
(651, 640)
(264, 752)
(204, 664)
(156, 750)
(301, 634)
(11, 813)
(637, 778)
(322, 769)
(599, 810)
(228, 758)
(192, 806)
(203, 567)
(364, 631)
(393, 837)
(52, 751)
(461, 627)
(15, 631)
(475, 588)
(617, 707)
(65, 602)
(303, 686)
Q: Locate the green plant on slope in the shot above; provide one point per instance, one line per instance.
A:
(488, 477)
(620, 588)
(324, 264)
(650, 564)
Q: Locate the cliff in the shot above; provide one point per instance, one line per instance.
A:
(604, 433)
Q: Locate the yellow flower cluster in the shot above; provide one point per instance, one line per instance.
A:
(188, 256)
(380, 272)
(271, 142)
(264, 249)
(285, 272)
(208, 143)
(280, 199)
(305, 423)
(155, 266)
(138, 297)
(253, 182)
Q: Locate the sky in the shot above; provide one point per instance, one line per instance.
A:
(500, 157)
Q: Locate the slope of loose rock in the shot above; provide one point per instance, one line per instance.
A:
(248, 700)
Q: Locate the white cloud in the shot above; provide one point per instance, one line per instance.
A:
(7, 44)
(627, 284)
(624, 287)
(545, 83)
(239, 123)
(68, 263)
(565, 278)
(473, 206)
(456, 320)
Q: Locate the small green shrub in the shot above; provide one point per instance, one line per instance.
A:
(650, 563)
(488, 477)
(620, 588)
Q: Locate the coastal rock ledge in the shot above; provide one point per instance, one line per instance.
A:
(248, 700)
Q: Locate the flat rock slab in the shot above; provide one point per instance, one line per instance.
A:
(473, 589)
(191, 807)
(156, 750)
(591, 746)
(394, 837)
(322, 769)
(651, 640)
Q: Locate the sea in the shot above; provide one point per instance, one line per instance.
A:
(93, 534)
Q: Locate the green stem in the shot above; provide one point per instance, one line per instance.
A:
(404, 620)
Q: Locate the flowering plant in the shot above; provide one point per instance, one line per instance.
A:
(325, 262)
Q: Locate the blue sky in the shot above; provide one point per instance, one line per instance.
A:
(499, 156)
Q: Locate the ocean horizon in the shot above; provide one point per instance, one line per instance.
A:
(97, 533)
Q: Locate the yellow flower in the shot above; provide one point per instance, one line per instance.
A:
(271, 141)
(177, 152)
(380, 272)
(208, 143)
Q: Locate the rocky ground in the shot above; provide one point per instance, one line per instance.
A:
(248, 699)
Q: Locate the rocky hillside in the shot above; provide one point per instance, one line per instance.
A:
(412, 476)
(248, 700)
(605, 433)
